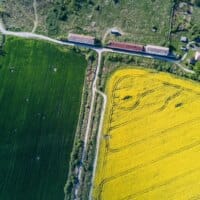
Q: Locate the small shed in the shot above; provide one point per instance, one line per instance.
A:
(184, 39)
(115, 31)
(197, 56)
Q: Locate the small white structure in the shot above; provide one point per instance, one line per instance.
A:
(157, 50)
(115, 31)
(197, 55)
(184, 39)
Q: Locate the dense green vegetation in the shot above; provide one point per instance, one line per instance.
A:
(197, 2)
(185, 22)
(40, 94)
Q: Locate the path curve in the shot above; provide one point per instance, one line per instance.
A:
(108, 31)
(98, 140)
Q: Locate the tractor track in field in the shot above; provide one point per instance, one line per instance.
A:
(139, 98)
(131, 170)
(153, 136)
(109, 150)
(163, 107)
(155, 186)
(168, 100)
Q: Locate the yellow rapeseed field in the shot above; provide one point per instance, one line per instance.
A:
(150, 144)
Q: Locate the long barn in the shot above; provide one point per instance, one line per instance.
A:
(157, 50)
(72, 37)
(126, 46)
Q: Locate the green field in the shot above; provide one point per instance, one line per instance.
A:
(40, 94)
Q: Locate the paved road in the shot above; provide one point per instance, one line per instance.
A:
(97, 49)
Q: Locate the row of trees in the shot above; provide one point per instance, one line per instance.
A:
(197, 3)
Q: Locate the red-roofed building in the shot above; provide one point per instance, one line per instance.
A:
(126, 46)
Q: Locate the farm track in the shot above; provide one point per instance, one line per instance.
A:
(94, 91)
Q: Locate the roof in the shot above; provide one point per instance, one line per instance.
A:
(126, 46)
(184, 39)
(197, 55)
(158, 47)
(157, 50)
(81, 39)
(115, 30)
(81, 36)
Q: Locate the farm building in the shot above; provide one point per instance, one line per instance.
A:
(184, 39)
(197, 55)
(81, 39)
(115, 31)
(163, 51)
(126, 46)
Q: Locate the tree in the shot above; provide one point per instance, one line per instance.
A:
(197, 3)
(2, 10)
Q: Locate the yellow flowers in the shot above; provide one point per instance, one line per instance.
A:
(150, 145)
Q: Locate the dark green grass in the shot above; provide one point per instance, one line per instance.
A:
(39, 111)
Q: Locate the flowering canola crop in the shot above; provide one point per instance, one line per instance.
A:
(150, 144)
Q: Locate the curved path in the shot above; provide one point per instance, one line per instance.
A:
(36, 16)
(98, 139)
(94, 90)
